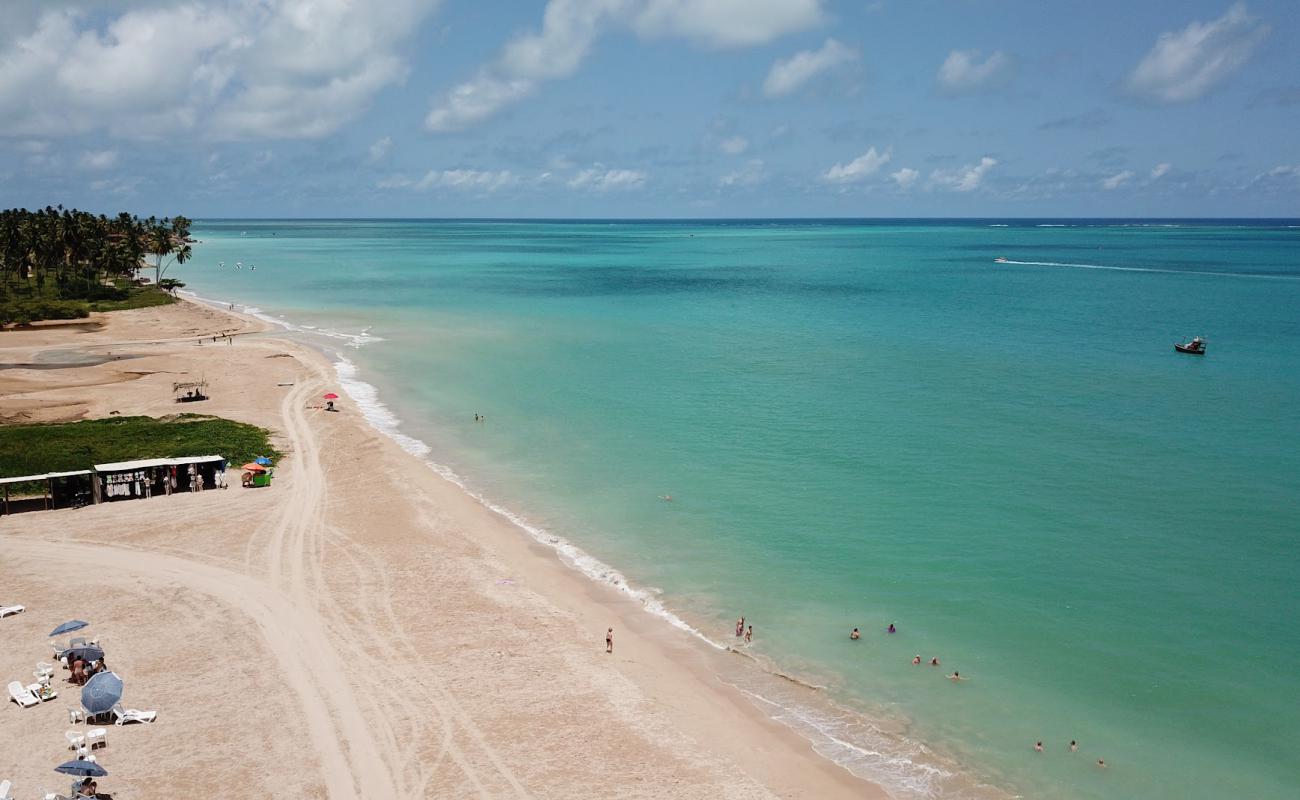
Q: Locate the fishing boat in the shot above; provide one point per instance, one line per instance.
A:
(1196, 347)
(1000, 260)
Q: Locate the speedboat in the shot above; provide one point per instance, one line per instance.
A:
(1196, 347)
(1000, 260)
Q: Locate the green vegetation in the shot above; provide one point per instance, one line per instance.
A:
(60, 263)
(35, 449)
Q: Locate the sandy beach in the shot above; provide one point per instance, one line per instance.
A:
(362, 628)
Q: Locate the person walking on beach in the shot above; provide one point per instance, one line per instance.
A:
(609, 640)
(749, 634)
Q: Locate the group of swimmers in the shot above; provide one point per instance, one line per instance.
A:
(1074, 748)
(855, 634)
(747, 632)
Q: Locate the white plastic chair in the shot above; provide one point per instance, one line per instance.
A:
(5, 786)
(6, 611)
(74, 716)
(44, 667)
(75, 740)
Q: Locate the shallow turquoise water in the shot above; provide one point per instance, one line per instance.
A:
(862, 423)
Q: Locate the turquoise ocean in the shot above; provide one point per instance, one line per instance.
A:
(866, 422)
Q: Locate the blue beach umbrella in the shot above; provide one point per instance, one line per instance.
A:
(68, 627)
(263, 460)
(87, 652)
(82, 769)
(101, 692)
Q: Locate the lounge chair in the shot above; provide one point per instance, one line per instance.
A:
(5, 786)
(8, 610)
(21, 695)
(122, 716)
(48, 795)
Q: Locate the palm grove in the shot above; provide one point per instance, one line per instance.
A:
(58, 263)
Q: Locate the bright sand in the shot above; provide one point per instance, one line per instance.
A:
(361, 628)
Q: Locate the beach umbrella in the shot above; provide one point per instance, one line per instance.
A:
(253, 466)
(263, 460)
(68, 627)
(331, 396)
(101, 692)
(82, 769)
(87, 652)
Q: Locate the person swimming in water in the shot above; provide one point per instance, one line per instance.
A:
(917, 659)
(934, 662)
(892, 629)
(1038, 747)
(1074, 746)
(855, 634)
(956, 676)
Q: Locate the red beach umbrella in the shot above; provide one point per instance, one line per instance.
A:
(254, 467)
(331, 396)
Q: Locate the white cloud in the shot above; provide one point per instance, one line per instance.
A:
(751, 174)
(726, 23)
(229, 69)
(394, 182)
(734, 145)
(570, 29)
(788, 75)
(905, 177)
(466, 179)
(962, 71)
(963, 179)
(1160, 170)
(98, 159)
(599, 179)
(1186, 64)
(380, 149)
(859, 168)
(1117, 180)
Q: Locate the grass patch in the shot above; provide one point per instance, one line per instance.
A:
(34, 449)
(137, 297)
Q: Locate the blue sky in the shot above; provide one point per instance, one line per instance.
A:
(652, 108)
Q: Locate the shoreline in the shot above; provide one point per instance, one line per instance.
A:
(759, 679)
(667, 687)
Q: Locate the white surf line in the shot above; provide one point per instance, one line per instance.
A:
(1154, 269)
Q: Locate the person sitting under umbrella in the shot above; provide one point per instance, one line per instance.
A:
(88, 788)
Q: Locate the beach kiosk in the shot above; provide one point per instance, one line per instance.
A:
(124, 480)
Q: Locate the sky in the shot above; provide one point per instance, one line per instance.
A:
(652, 108)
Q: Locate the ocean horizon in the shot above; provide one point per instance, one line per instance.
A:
(866, 422)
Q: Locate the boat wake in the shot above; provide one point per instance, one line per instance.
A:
(1255, 275)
